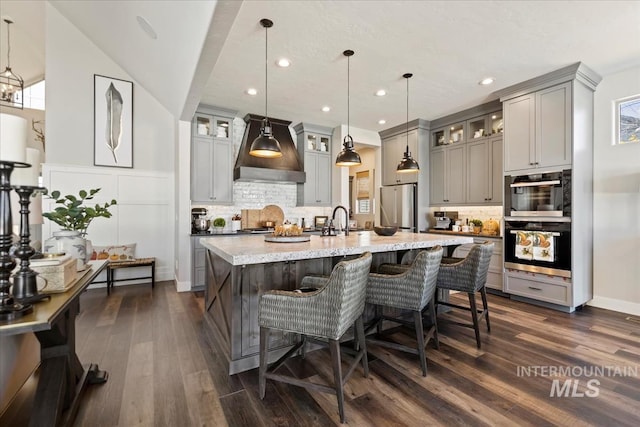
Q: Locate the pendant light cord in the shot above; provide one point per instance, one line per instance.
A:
(348, 92)
(8, 42)
(407, 114)
(266, 60)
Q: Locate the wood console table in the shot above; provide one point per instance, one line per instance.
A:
(61, 378)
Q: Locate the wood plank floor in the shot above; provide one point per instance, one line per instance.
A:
(166, 370)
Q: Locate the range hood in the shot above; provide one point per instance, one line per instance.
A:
(287, 168)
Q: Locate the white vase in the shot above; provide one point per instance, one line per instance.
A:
(71, 243)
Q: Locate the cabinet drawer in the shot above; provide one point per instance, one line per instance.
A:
(526, 287)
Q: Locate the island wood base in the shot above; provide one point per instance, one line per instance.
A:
(232, 295)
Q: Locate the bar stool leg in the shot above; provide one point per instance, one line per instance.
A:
(474, 316)
(264, 337)
(485, 307)
(334, 347)
(362, 345)
(417, 318)
(153, 274)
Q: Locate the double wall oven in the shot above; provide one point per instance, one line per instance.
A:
(537, 231)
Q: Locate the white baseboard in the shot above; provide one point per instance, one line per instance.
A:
(184, 286)
(615, 305)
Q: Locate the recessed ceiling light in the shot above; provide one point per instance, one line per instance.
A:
(494, 117)
(326, 109)
(486, 81)
(382, 121)
(381, 92)
(251, 91)
(146, 27)
(283, 62)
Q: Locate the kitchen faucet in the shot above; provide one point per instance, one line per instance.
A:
(346, 218)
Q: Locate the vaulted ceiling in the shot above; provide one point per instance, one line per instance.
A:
(212, 52)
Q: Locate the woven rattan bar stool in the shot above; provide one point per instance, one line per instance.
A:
(325, 314)
(468, 275)
(408, 287)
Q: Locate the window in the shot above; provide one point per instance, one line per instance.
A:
(362, 192)
(627, 120)
(33, 96)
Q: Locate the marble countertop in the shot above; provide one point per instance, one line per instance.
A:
(459, 233)
(252, 249)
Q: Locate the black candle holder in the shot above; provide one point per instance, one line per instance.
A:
(9, 308)
(25, 286)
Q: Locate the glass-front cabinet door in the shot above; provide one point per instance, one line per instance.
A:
(203, 125)
(222, 127)
(318, 143)
(485, 126)
(456, 133)
(208, 126)
(496, 123)
(452, 134)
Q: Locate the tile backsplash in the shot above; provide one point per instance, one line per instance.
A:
(257, 195)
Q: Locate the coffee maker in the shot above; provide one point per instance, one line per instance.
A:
(444, 220)
(199, 222)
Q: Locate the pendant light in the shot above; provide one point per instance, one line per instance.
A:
(348, 156)
(408, 163)
(10, 83)
(265, 145)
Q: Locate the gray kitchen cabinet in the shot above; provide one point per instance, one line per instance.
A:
(538, 129)
(484, 171)
(314, 148)
(448, 175)
(437, 177)
(393, 148)
(212, 159)
(198, 263)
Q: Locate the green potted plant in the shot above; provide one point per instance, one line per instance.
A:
(477, 225)
(74, 217)
(218, 224)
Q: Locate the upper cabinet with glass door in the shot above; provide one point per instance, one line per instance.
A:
(484, 126)
(209, 126)
(452, 134)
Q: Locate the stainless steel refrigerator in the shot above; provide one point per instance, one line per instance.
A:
(398, 206)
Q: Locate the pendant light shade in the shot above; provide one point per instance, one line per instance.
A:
(408, 163)
(11, 85)
(265, 145)
(348, 156)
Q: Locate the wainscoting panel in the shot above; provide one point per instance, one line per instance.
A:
(143, 213)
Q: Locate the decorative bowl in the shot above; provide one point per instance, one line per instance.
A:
(385, 231)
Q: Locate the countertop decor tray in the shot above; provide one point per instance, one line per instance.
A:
(287, 239)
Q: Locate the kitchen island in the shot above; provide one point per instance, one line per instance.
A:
(240, 268)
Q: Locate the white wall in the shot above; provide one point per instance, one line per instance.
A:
(71, 62)
(616, 202)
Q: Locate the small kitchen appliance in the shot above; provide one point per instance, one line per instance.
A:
(444, 220)
(199, 222)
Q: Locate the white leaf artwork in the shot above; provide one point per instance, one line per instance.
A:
(114, 119)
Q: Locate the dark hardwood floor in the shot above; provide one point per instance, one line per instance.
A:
(166, 370)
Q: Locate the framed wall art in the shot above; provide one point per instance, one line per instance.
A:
(112, 122)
